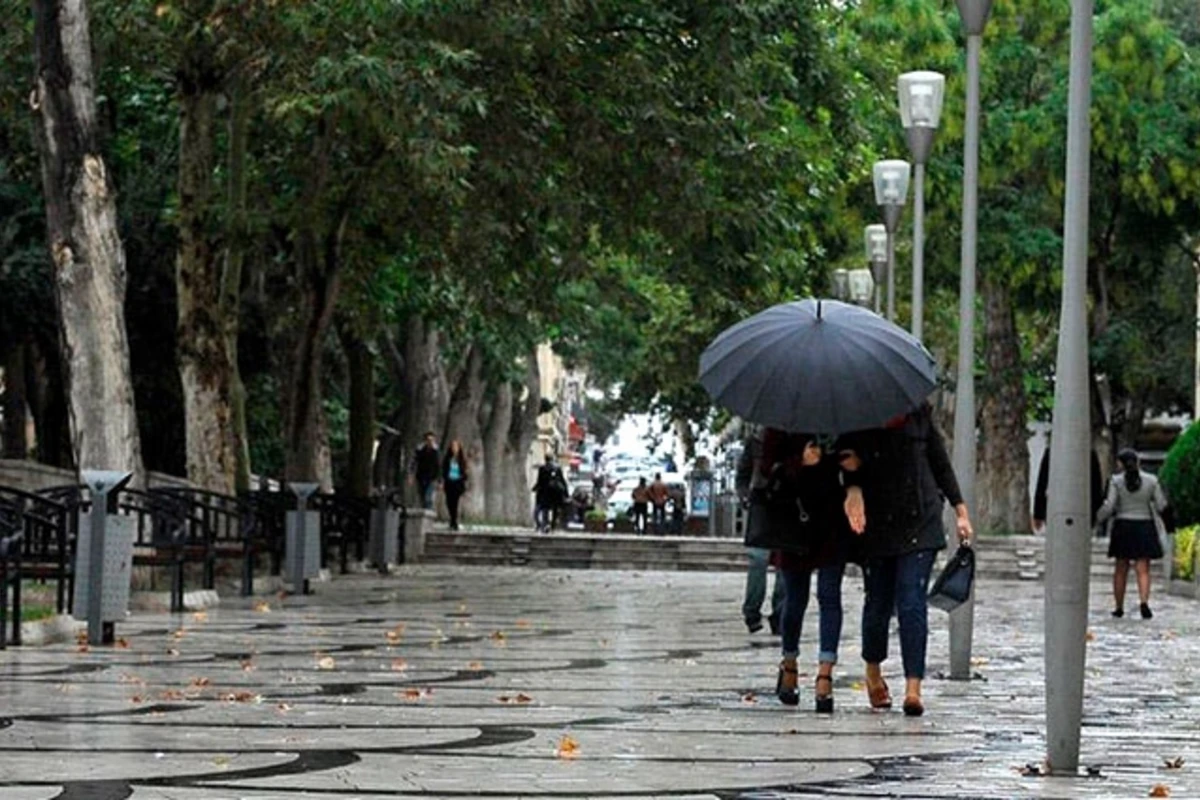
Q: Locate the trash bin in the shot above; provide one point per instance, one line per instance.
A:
(302, 542)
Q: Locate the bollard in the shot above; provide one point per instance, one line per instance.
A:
(385, 533)
(103, 484)
(303, 546)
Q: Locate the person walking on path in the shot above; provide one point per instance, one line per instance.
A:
(550, 492)
(757, 558)
(427, 466)
(898, 478)
(1137, 501)
(641, 503)
(454, 480)
(659, 495)
(825, 533)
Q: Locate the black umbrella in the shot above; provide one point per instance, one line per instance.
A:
(817, 366)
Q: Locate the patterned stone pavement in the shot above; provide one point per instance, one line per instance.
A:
(505, 682)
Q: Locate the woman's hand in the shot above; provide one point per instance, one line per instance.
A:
(856, 512)
(962, 522)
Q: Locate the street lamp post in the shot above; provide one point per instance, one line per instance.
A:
(974, 15)
(1068, 534)
(921, 95)
(891, 191)
(876, 241)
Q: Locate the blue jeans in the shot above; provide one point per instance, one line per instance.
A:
(427, 488)
(897, 584)
(829, 598)
(756, 586)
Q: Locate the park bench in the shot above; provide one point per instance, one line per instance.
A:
(47, 548)
(161, 530)
(11, 534)
(220, 527)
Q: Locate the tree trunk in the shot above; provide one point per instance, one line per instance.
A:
(85, 246)
(205, 368)
(361, 367)
(463, 424)
(523, 428)
(425, 392)
(495, 439)
(1003, 477)
(302, 438)
(16, 413)
(236, 235)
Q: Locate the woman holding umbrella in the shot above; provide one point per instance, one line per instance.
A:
(900, 475)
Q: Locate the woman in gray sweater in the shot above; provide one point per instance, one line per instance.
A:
(1136, 499)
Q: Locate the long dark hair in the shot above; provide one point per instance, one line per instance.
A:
(1133, 473)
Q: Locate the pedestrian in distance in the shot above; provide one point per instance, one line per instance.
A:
(550, 493)
(822, 533)
(659, 495)
(641, 505)
(426, 468)
(758, 560)
(454, 479)
(899, 478)
(1136, 501)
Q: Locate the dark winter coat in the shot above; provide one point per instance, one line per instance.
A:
(906, 477)
(427, 464)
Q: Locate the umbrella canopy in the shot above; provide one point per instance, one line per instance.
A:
(817, 366)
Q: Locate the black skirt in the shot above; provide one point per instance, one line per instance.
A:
(1134, 539)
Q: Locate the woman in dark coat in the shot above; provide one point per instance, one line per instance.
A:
(454, 480)
(798, 461)
(902, 477)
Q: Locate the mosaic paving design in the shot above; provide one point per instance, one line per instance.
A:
(499, 682)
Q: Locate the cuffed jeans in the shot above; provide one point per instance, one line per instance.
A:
(756, 586)
(829, 600)
(897, 584)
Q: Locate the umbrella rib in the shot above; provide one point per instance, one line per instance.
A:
(763, 342)
(887, 369)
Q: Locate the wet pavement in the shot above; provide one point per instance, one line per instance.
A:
(447, 681)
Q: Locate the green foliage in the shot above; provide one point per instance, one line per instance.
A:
(1184, 563)
(1180, 475)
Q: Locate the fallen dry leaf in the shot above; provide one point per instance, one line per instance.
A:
(498, 636)
(200, 683)
(326, 662)
(173, 694)
(248, 666)
(240, 697)
(179, 634)
(414, 694)
(283, 708)
(978, 661)
(523, 623)
(1173, 763)
(200, 616)
(1160, 790)
(137, 698)
(262, 607)
(122, 643)
(749, 697)
(1091, 636)
(125, 677)
(475, 666)
(221, 761)
(399, 665)
(172, 651)
(520, 699)
(567, 748)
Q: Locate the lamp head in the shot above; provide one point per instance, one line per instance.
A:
(891, 182)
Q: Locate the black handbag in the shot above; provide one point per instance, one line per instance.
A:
(953, 587)
(776, 519)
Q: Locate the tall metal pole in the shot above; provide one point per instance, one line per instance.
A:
(891, 280)
(962, 620)
(1068, 534)
(918, 276)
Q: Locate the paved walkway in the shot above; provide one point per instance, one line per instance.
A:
(488, 682)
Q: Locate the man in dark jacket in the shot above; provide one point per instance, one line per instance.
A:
(427, 466)
(1043, 484)
(550, 492)
(899, 479)
(758, 559)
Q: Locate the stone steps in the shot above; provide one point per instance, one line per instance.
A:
(1011, 557)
